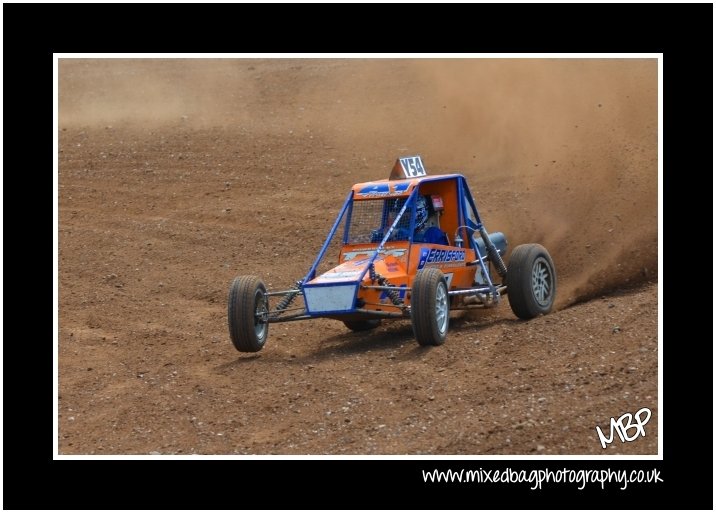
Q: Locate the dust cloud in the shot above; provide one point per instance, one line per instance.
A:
(153, 92)
(571, 148)
(557, 151)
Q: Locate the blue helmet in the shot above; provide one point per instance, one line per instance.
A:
(421, 212)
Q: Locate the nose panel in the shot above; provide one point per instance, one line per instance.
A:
(324, 299)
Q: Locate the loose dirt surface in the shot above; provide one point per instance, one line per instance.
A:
(177, 175)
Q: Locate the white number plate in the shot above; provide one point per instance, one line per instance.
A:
(412, 166)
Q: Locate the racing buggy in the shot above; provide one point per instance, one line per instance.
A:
(410, 247)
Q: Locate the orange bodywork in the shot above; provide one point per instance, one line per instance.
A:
(399, 261)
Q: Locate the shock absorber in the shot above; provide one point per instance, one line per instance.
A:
(493, 254)
(393, 294)
(288, 298)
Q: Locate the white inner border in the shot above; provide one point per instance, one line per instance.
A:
(55, 292)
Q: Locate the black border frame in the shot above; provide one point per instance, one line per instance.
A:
(32, 480)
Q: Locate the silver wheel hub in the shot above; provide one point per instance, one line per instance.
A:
(542, 282)
(260, 315)
(441, 307)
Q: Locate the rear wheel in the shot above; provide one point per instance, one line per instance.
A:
(531, 281)
(430, 307)
(248, 314)
(362, 325)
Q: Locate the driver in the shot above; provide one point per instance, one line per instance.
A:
(423, 233)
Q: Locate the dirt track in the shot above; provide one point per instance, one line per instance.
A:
(175, 176)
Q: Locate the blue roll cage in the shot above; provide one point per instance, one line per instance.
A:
(464, 222)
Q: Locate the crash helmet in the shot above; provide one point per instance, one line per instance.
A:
(421, 212)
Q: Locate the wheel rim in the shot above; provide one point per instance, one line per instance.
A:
(441, 307)
(542, 282)
(260, 315)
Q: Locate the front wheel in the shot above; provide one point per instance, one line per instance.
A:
(531, 281)
(248, 314)
(430, 307)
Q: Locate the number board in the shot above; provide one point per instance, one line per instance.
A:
(408, 167)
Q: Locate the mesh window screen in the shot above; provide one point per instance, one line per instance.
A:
(372, 218)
